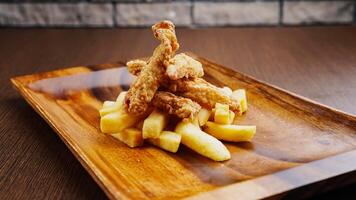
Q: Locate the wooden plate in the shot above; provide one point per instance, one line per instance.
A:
(299, 144)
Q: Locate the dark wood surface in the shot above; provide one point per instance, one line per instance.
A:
(319, 63)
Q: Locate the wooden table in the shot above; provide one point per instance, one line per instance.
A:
(319, 63)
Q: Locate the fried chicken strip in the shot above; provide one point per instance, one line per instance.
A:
(165, 32)
(175, 105)
(199, 90)
(183, 66)
(202, 92)
(143, 89)
(135, 66)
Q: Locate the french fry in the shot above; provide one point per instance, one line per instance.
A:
(108, 104)
(221, 115)
(112, 106)
(132, 137)
(117, 121)
(226, 90)
(240, 96)
(108, 110)
(203, 116)
(231, 133)
(154, 124)
(202, 142)
(121, 97)
(140, 125)
(167, 140)
(195, 121)
(212, 115)
(231, 116)
(108, 107)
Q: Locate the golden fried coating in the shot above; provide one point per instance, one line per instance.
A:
(175, 105)
(202, 92)
(144, 88)
(165, 32)
(183, 66)
(198, 90)
(135, 66)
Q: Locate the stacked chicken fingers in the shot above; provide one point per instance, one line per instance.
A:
(184, 91)
(144, 88)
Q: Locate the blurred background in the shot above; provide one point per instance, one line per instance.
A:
(187, 13)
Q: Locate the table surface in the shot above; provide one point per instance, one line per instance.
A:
(316, 62)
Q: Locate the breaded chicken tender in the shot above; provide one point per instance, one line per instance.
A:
(165, 32)
(183, 66)
(175, 105)
(202, 92)
(144, 88)
(135, 66)
(199, 90)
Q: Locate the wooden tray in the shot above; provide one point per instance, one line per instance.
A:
(299, 144)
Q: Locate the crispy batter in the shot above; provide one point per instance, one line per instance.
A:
(143, 89)
(135, 66)
(199, 90)
(165, 32)
(175, 105)
(183, 66)
(202, 92)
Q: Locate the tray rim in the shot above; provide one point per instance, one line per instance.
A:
(326, 164)
(84, 161)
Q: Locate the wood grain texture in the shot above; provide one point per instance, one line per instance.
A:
(69, 101)
(316, 62)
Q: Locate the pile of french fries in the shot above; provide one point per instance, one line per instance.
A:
(201, 134)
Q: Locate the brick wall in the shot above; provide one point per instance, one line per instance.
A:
(133, 13)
